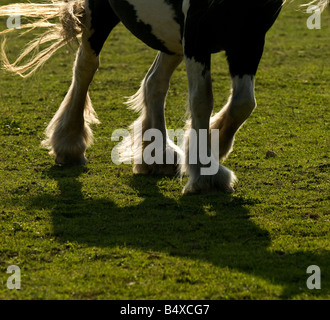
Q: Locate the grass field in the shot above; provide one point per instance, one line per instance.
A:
(99, 232)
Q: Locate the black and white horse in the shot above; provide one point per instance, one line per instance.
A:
(189, 30)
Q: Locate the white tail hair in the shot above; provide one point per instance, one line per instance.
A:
(322, 4)
(70, 14)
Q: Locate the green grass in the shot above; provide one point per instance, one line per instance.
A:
(99, 232)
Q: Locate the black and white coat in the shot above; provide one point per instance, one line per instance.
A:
(189, 30)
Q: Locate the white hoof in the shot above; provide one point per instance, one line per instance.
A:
(222, 181)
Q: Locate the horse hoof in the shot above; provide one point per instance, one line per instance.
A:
(222, 181)
(70, 161)
(156, 169)
(191, 189)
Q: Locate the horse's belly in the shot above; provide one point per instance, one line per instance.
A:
(155, 22)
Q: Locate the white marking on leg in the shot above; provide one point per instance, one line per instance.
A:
(68, 134)
(214, 177)
(200, 93)
(150, 101)
(242, 100)
(231, 117)
(185, 7)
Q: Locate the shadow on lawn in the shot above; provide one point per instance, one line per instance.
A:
(227, 237)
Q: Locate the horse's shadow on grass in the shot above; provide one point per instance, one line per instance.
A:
(224, 236)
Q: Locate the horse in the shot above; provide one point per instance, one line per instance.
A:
(180, 30)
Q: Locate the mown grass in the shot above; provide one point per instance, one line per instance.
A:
(99, 232)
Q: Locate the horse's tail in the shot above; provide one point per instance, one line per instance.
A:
(322, 4)
(69, 25)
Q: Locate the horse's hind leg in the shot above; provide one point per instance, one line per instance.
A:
(68, 134)
(150, 101)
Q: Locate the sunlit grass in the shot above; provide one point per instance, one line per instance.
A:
(99, 232)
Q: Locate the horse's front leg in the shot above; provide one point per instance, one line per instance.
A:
(201, 155)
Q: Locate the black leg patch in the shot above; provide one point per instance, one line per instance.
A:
(103, 20)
